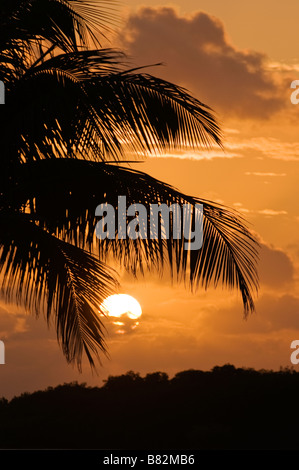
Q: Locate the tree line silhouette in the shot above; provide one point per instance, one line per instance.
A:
(224, 408)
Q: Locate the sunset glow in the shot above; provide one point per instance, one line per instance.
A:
(121, 304)
(244, 74)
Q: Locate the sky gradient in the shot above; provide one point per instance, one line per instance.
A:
(240, 60)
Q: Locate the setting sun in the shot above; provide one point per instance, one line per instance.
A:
(122, 304)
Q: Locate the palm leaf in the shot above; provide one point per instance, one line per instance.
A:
(39, 270)
(32, 29)
(228, 255)
(86, 105)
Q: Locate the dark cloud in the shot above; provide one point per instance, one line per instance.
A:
(120, 325)
(198, 55)
(274, 314)
(275, 267)
(13, 323)
(281, 313)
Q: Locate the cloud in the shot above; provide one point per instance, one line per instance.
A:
(120, 325)
(13, 322)
(203, 155)
(275, 267)
(199, 55)
(260, 173)
(275, 313)
(281, 312)
(268, 147)
(268, 213)
(271, 212)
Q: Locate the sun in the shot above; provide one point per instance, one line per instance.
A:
(122, 304)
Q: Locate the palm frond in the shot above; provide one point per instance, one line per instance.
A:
(31, 29)
(229, 251)
(39, 270)
(69, 24)
(87, 105)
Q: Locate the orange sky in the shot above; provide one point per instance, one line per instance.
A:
(239, 59)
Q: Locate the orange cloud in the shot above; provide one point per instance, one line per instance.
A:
(275, 267)
(199, 55)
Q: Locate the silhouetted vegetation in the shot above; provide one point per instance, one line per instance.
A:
(225, 408)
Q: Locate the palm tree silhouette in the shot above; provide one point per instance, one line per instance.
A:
(73, 110)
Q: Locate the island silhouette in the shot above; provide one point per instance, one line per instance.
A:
(224, 408)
